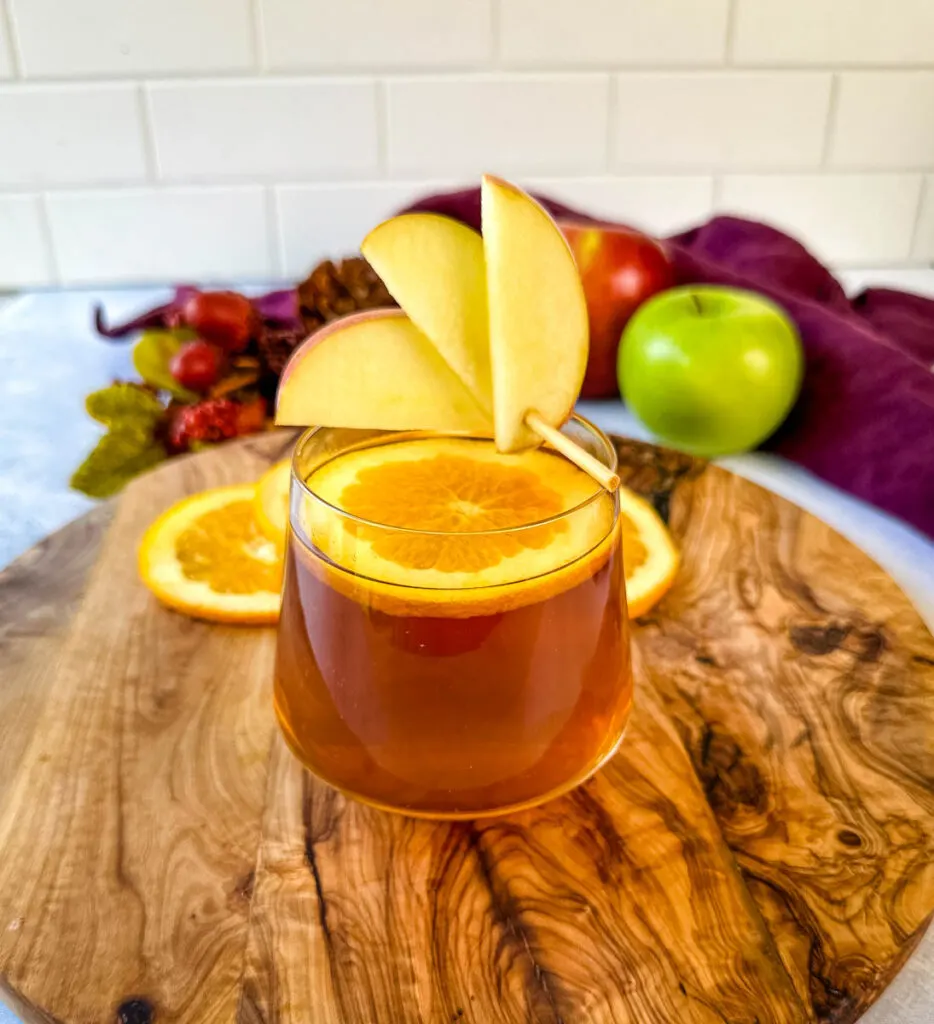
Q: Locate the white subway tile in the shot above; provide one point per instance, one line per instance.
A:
(24, 260)
(884, 119)
(375, 33)
(656, 204)
(330, 221)
(6, 48)
(844, 218)
(195, 234)
(70, 133)
(721, 119)
(90, 37)
(285, 127)
(833, 31)
(614, 32)
(924, 239)
(555, 124)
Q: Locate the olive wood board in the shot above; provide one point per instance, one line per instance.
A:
(758, 852)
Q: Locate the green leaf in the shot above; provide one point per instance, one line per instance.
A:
(132, 414)
(152, 355)
(124, 404)
(117, 458)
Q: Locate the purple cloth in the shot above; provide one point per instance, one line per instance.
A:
(865, 418)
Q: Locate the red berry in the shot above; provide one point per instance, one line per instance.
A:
(214, 419)
(197, 365)
(225, 318)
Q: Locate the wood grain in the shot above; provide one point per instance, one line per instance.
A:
(587, 909)
(760, 850)
(801, 681)
(131, 824)
(39, 594)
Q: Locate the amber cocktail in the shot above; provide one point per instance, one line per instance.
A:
(453, 639)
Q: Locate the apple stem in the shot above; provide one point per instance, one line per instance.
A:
(604, 476)
(697, 303)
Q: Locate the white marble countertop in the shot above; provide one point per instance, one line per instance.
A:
(50, 358)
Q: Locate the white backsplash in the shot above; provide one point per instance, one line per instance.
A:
(156, 140)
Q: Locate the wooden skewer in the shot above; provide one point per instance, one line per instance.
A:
(582, 459)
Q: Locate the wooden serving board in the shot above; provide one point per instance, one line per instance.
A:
(761, 850)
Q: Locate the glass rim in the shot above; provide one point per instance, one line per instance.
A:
(310, 433)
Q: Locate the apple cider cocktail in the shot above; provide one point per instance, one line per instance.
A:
(453, 638)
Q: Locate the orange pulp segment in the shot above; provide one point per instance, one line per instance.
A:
(207, 557)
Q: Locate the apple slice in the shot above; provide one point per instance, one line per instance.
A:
(434, 268)
(538, 315)
(375, 370)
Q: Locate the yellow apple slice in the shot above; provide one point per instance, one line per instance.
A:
(434, 268)
(375, 370)
(538, 315)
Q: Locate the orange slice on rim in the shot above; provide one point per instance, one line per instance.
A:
(464, 529)
(459, 535)
(206, 556)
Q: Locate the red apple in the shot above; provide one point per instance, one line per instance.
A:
(620, 268)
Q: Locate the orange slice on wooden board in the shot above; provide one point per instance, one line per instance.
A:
(271, 501)
(649, 554)
(207, 557)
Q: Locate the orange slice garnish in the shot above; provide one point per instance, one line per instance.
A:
(206, 556)
(460, 490)
(465, 530)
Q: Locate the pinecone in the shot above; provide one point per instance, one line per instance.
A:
(330, 291)
(275, 345)
(333, 290)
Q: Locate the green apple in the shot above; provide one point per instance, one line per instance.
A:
(710, 370)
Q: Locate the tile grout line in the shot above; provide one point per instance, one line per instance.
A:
(48, 242)
(470, 70)
(612, 123)
(830, 128)
(729, 41)
(337, 179)
(496, 44)
(258, 34)
(381, 96)
(12, 48)
(923, 192)
(147, 129)
(275, 242)
(16, 57)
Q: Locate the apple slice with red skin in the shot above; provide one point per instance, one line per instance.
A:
(620, 268)
(538, 315)
(375, 370)
(434, 268)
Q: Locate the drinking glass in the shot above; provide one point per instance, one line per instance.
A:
(450, 702)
